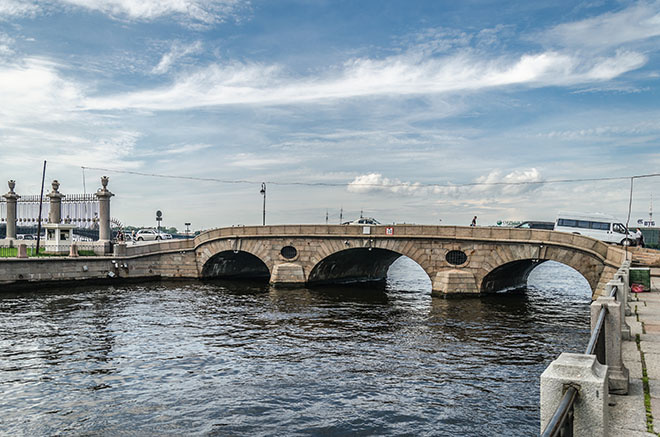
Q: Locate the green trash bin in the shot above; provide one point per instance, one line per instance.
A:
(641, 276)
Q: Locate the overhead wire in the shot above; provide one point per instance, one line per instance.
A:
(376, 185)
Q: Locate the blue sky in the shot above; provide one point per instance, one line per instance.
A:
(394, 105)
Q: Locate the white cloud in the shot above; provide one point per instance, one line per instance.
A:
(14, 8)
(183, 149)
(638, 22)
(407, 74)
(5, 45)
(495, 183)
(177, 52)
(34, 90)
(254, 161)
(201, 11)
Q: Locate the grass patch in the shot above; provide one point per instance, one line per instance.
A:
(645, 384)
(12, 252)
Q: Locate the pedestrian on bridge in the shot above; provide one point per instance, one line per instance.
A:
(639, 237)
(474, 221)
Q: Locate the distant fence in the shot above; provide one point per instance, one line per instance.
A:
(31, 231)
(80, 210)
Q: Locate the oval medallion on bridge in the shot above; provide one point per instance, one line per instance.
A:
(289, 252)
(456, 257)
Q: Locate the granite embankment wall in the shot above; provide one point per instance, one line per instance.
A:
(167, 260)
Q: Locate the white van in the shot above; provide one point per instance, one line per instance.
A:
(600, 226)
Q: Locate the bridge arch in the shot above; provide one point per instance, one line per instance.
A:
(232, 264)
(362, 264)
(509, 267)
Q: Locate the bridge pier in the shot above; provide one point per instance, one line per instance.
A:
(287, 275)
(454, 282)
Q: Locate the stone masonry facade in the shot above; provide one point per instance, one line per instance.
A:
(488, 251)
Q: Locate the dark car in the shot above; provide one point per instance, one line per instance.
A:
(537, 225)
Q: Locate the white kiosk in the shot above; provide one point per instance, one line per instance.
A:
(59, 236)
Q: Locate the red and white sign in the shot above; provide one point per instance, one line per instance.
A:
(389, 231)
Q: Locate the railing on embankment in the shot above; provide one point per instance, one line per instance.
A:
(575, 387)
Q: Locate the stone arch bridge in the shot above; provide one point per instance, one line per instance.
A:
(458, 260)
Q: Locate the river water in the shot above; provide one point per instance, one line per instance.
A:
(242, 359)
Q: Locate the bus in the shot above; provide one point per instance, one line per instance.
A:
(600, 226)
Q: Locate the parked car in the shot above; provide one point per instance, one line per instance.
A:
(537, 225)
(363, 221)
(151, 235)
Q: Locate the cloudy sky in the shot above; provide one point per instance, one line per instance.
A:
(412, 111)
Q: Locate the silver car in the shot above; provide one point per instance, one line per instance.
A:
(151, 235)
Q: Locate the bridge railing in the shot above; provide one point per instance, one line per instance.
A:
(575, 387)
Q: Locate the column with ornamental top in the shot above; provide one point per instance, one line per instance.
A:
(104, 195)
(12, 199)
(55, 211)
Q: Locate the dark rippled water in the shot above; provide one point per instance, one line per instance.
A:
(234, 359)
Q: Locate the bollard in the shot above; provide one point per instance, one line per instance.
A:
(620, 298)
(119, 250)
(589, 377)
(618, 373)
(22, 250)
(623, 274)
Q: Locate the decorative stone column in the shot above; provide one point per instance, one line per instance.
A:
(618, 375)
(55, 213)
(58, 235)
(104, 195)
(12, 198)
(589, 377)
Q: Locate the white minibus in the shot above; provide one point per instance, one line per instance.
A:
(600, 226)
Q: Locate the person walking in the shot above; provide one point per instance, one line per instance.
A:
(639, 237)
(474, 221)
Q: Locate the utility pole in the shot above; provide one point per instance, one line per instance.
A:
(263, 191)
(41, 198)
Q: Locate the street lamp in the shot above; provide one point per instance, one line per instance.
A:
(263, 191)
(187, 229)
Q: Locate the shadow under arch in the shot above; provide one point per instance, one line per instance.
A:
(514, 275)
(354, 265)
(509, 276)
(229, 264)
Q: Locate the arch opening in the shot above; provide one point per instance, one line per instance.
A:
(510, 276)
(235, 265)
(352, 266)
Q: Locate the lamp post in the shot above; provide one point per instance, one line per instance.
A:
(187, 229)
(263, 191)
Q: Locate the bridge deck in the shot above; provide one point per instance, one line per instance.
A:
(628, 416)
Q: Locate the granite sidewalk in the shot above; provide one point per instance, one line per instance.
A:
(641, 355)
